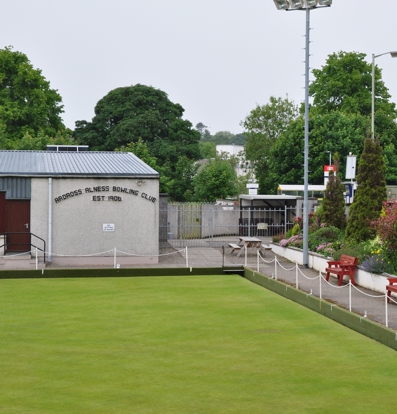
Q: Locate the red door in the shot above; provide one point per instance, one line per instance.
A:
(18, 225)
(3, 213)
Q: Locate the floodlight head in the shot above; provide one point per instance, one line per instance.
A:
(309, 4)
(324, 2)
(393, 54)
(296, 4)
(281, 4)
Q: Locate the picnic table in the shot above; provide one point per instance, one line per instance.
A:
(248, 243)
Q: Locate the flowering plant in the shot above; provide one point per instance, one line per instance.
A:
(377, 262)
(327, 249)
(292, 241)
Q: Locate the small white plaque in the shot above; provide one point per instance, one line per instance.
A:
(108, 227)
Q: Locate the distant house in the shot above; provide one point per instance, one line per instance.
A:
(235, 150)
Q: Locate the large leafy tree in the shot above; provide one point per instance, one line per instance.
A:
(344, 84)
(339, 118)
(126, 114)
(144, 115)
(216, 180)
(370, 193)
(335, 132)
(262, 127)
(28, 105)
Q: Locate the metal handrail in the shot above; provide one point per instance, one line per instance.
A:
(31, 243)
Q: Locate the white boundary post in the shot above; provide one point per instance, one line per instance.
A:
(321, 293)
(386, 312)
(37, 261)
(187, 258)
(114, 259)
(296, 276)
(257, 261)
(350, 295)
(275, 268)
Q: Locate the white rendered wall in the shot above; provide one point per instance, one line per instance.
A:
(80, 211)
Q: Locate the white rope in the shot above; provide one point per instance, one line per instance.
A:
(266, 261)
(282, 267)
(151, 255)
(392, 300)
(14, 255)
(80, 255)
(335, 287)
(367, 294)
(307, 277)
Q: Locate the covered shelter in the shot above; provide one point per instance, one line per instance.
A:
(270, 214)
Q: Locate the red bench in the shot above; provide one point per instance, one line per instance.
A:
(391, 287)
(346, 266)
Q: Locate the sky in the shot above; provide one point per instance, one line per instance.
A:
(217, 58)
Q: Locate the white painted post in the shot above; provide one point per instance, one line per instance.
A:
(350, 295)
(114, 259)
(275, 268)
(321, 293)
(257, 261)
(37, 260)
(187, 258)
(296, 276)
(386, 312)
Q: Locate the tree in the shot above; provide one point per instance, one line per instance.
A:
(262, 127)
(203, 129)
(333, 205)
(27, 103)
(141, 150)
(335, 132)
(216, 180)
(207, 149)
(370, 193)
(344, 84)
(126, 114)
(133, 116)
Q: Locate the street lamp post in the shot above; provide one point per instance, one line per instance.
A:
(393, 55)
(306, 5)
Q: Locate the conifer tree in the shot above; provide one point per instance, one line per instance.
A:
(333, 205)
(370, 193)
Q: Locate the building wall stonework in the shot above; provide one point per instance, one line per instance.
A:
(95, 215)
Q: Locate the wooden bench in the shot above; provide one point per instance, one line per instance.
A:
(266, 248)
(234, 247)
(391, 287)
(346, 266)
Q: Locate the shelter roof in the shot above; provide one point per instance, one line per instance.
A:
(73, 164)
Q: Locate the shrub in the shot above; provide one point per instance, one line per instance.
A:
(295, 230)
(323, 236)
(295, 241)
(360, 250)
(377, 263)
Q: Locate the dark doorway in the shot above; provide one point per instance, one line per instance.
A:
(15, 221)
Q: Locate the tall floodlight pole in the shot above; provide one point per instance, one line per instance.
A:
(393, 54)
(306, 5)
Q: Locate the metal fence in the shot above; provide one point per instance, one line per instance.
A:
(210, 225)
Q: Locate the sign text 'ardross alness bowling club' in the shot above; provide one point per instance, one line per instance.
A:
(104, 189)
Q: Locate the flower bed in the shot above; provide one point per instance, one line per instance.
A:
(372, 281)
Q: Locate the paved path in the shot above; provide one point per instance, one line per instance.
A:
(363, 301)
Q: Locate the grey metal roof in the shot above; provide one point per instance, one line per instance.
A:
(91, 163)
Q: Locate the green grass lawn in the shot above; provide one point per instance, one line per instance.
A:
(206, 344)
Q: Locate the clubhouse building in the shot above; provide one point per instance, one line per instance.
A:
(69, 206)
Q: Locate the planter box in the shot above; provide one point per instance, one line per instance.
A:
(318, 262)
